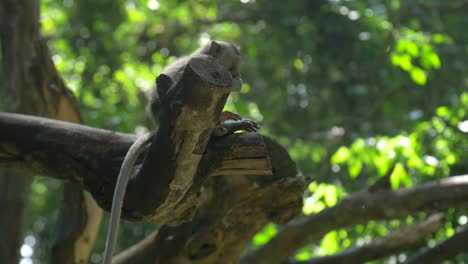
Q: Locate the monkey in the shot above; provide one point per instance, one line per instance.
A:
(225, 54)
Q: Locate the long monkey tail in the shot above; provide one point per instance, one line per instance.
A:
(119, 193)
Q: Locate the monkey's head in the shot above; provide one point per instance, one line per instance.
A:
(228, 55)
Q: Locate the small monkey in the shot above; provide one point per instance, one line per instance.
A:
(223, 52)
(227, 55)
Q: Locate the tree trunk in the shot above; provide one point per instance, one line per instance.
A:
(33, 86)
(19, 27)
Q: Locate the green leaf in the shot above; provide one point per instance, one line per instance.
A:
(311, 205)
(438, 124)
(341, 155)
(298, 64)
(262, 237)
(435, 60)
(451, 159)
(402, 61)
(443, 111)
(382, 163)
(418, 76)
(464, 99)
(430, 60)
(354, 167)
(408, 47)
(329, 243)
(400, 177)
(441, 39)
(331, 196)
(304, 254)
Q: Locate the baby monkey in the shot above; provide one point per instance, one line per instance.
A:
(227, 55)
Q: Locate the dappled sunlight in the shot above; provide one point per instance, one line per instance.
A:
(368, 100)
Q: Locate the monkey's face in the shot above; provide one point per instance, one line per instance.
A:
(232, 62)
(236, 84)
(228, 55)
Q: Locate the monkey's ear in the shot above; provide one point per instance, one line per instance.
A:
(215, 48)
(163, 83)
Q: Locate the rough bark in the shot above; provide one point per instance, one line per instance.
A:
(178, 176)
(19, 26)
(393, 243)
(236, 200)
(188, 117)
(80, 216)
(33, 86)
(91, 157)
(234, 208)
(13, 199)
(167, 187)
(360, 208)
(77, 226)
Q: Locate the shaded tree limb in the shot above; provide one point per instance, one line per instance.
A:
(91, 157)
(444, 250)
(360, 208)
(221, 230)
(391, 244)
(76, 227)
(80, 216)
(19, 26)
(232, 211)
(167, 172)
(173, 184)
(233, 206)
(33, 86)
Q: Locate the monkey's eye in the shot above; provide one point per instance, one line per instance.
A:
(233, 72)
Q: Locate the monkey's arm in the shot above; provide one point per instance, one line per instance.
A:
(231, 122)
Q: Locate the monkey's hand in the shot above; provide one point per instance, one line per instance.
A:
(243, 124)
(230, 126)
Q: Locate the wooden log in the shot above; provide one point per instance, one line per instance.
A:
(92, 157)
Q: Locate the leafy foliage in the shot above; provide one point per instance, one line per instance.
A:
(354, 89)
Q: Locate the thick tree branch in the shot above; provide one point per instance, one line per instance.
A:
(392, 244)
(220, 232)
(445, 250)
(232, 207)
(188, 117)
(19, 26)
(92, 157)
(232, 211)
(360, 208)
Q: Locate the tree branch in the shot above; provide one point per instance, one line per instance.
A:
(92, 157)
(234, 210)
(360, 208)
(393, 243)
(445, 250)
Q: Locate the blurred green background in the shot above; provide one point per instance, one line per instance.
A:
(351, 88)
